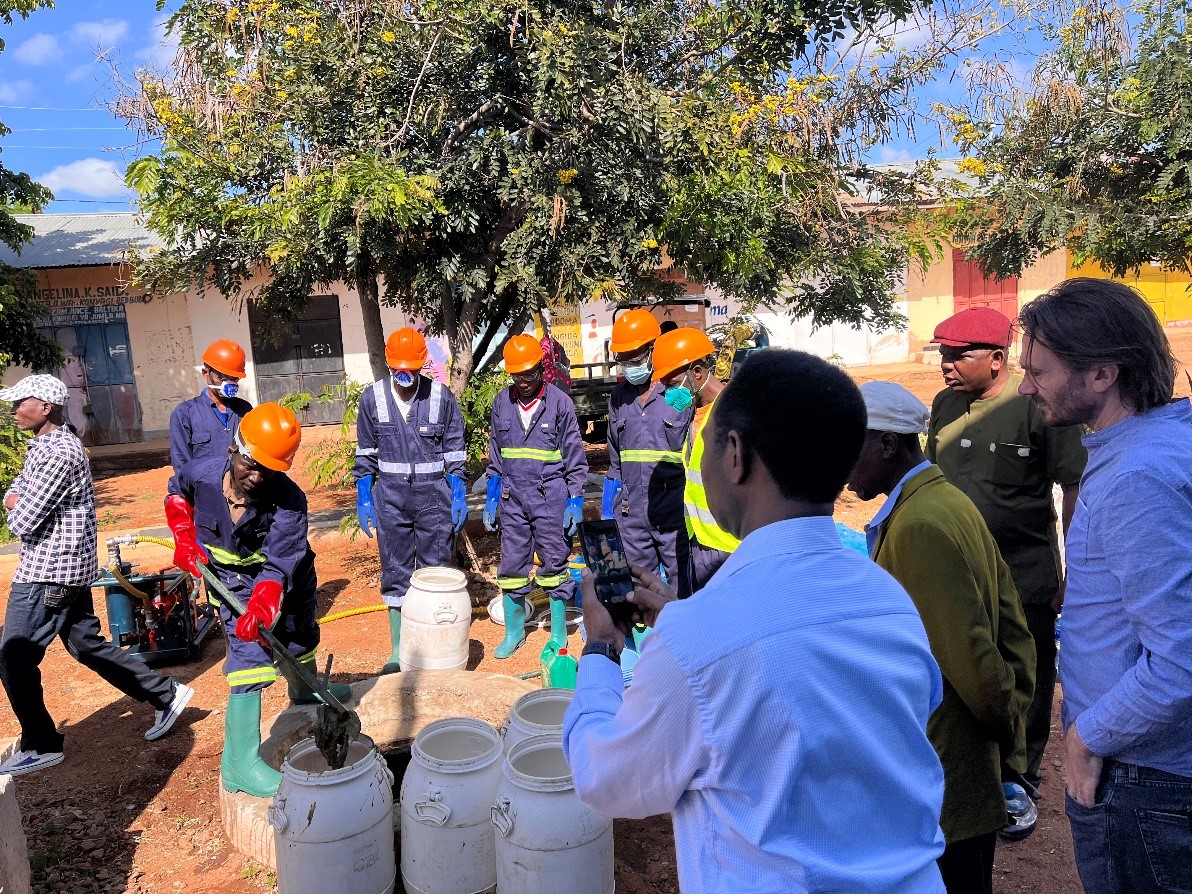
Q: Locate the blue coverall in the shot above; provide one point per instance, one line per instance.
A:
(409, 458)
(541, 466)
(645, 452)
(198, 429)
(268, 543)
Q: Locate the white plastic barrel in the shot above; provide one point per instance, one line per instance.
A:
(334, 827)
(447, 842)
(547, 839)
(537, 713)
(435, 615)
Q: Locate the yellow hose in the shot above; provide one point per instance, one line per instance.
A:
(114, 570)
(160, 541)
(327, 619)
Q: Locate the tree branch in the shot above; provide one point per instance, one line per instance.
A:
(468, 125)
(405, 126)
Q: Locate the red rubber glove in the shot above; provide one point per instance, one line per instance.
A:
(180, 516)
(262, 610)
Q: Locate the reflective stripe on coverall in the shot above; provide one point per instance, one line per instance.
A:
(269, 543)
(541, 467)
(409, 459)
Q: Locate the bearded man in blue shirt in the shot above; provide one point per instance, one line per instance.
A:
(1095, 354)
(780, 713)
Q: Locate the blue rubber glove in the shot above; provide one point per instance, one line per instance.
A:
(490, 505)
(573, 515)
(366, 514)
(459, 500)
(608, 502)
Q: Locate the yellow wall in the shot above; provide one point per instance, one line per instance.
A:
(928, 298)
(1166, 291)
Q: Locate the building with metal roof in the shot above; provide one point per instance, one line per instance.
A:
(80, 240)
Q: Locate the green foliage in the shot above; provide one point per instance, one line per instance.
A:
(1098, 158)
(12, 454)
(476, 405)
(471, 161)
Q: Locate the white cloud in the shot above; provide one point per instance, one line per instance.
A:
(102, 35)
(38, 50)
(159, 53)
(92, 177)
(16, 91)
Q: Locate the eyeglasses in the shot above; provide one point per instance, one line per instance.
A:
(527, 376)
(220, 377)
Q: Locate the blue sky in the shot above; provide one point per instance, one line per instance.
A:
(56, 82)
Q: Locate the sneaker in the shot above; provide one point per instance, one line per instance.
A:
(164, 719)
(1022, 810)
(30, 762)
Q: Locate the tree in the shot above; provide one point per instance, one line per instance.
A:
(472, 161)
(20, 342)
(1097, 156)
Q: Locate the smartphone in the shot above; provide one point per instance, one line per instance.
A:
(604, 553)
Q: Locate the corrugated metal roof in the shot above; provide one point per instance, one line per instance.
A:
(79, 240)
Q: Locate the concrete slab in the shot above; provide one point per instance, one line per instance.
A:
(393, 709)
(14, 849)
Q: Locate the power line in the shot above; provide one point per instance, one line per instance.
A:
(49, 109)
(59, 129)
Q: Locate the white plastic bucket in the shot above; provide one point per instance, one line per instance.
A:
(537, 713)
(447, 844)
(334, 827)
(547, 839)
(436, 613)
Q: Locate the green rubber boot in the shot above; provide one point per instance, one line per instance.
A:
(241, 768)
(392, 666)
(515, 626)
(558, 623)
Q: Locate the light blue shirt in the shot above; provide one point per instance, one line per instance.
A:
(1126, 661)
(875, 525)
(780, 714)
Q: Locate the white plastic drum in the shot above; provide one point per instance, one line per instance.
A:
(447, 842)
(537, 713)
(548, 841)
(334, 827)
(436, 613)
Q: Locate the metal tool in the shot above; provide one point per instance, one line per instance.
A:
(338, 725)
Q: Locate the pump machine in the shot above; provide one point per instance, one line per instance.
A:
(159, 618)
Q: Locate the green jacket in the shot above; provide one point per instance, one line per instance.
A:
(936, 544)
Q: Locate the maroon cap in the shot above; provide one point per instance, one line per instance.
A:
(975, 326)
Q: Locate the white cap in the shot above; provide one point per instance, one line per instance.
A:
(892, 408)
(43, 387)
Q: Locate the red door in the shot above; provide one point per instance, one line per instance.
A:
(972, 288)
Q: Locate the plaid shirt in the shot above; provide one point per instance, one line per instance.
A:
(55, 513)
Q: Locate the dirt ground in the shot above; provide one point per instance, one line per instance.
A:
(121, 815)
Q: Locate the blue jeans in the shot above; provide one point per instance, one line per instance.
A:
(36, 615)
(1137, 837)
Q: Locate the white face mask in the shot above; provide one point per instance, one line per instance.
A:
(226, 389)
(404, 378)
(638, 373)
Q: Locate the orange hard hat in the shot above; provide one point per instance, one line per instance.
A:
(225, 356)
(678, 348)
(406, 349)
(522, 352)
(270, 435)
(632, 329)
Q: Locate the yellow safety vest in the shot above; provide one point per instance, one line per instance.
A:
(700, 523)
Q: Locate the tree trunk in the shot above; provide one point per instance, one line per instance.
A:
(370, 312)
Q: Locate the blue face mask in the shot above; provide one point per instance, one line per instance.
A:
(404, 378)
(226, 389)
(637, 375)
(679, 397)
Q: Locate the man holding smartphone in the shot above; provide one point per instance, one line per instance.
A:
(775, 785)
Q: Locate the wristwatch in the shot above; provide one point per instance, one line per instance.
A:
(608, 650)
